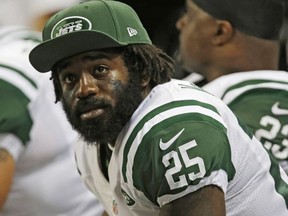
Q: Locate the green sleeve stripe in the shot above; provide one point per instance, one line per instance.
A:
(17, 79)
(233, 92)
(9, 31)
(20, 73)
(14, 115)
(252, 83)
(32, 38)
(245, 127)
(270, 95)
(169, 107)
(212, 143)
(279, 182)
(20, 33)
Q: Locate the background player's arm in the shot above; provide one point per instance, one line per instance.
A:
(7, 167)
(207, 201)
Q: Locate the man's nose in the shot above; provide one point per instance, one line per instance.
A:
(87, 86)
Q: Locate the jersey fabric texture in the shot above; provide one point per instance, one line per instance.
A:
(260, 98)
(36, 133)
(179, 140)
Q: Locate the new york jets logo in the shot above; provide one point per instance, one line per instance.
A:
(129, 201)
(70, 24)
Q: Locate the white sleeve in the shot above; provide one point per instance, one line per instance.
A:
(12, 144)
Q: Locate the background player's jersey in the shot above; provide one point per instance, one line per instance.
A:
(34, 130)
(179, 140)
(260, 98)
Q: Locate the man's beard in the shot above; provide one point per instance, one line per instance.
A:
(105, 128)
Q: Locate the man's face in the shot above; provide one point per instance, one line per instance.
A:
(98, 96)
(196, 29)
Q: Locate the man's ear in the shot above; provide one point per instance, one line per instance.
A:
(145, 84)
(224, 32)
(145, 81)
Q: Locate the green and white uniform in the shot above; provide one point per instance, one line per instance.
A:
(179, 140)
(260, 98)
(34, 130)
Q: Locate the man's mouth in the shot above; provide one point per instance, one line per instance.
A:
(91, 113)
(91, 108)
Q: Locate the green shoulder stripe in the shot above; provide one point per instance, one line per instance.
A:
(152, 114)
(11, 31)
(280, 184)
(33, 38)
(201, 148)
(20, 33)
(253, 105)
(14, 114)
(260, 95)
(21, 73)
(251, 83)
(245, 127)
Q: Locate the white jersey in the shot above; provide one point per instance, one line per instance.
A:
(179, 140)
(88, 162)
(260, 98)
(36, 133)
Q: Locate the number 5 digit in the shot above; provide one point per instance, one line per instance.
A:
(170, 172)
(191, 162)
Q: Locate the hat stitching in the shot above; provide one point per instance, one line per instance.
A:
(113, 19)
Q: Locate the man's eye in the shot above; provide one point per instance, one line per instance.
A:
(69, 78)
(100, 69)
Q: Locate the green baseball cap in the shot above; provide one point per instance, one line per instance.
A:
(84, 27)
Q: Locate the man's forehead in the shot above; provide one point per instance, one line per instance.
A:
(89, 55)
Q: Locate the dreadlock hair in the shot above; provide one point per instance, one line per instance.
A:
(56, 83)
(149, 61)
(145, 59)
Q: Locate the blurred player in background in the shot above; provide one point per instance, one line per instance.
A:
(236, 48)
(38, 173)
